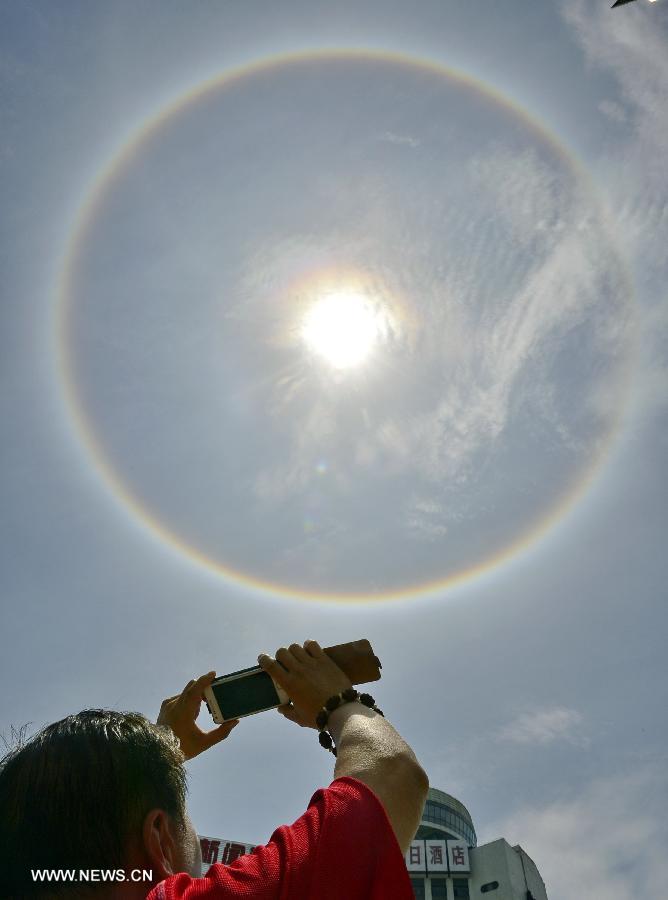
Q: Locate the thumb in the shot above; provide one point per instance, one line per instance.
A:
(219, 734)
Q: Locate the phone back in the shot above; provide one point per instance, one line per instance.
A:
(357, 660)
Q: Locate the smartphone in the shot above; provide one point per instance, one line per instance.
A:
(243, 693)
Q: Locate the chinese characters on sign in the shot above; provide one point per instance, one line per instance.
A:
(218, 850)
(458, 856)
(423, 856)
(415, 857)
(438, 856)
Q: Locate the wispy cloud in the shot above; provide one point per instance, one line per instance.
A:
(424, 519)
(632, 48)
(513, 339)
(392, 138)
(486, 344)
(545, 726)
(613, 110)
(608, 841)
(528, 194)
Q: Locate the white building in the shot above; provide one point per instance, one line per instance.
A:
(444, 860)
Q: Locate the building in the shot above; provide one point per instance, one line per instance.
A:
(444, 860)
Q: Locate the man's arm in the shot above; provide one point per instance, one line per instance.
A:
(368, 747)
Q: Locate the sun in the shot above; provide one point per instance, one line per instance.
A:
(342, 327)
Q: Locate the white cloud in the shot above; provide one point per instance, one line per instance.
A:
(613, 110)
(607, 841)
(559, 292)
(545, 726)
(633, 49)
(424, 519)
(392, 138)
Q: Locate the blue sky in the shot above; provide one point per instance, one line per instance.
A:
(485, 185)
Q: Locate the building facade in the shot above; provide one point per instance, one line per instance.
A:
(444, 861)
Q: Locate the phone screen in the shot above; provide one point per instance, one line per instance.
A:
(248, 694)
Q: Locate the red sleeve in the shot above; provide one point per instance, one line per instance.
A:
(342, 848)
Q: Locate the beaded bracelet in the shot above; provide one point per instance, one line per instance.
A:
(350, 695)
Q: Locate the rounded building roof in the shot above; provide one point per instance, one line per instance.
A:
(441, 797)
(444, 815)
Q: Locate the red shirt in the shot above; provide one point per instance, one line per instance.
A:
(342, 848)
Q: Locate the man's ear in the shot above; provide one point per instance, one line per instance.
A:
(161, 843)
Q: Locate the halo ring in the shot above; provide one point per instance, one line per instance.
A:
(103, 182)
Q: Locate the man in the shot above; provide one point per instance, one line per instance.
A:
(106, 791)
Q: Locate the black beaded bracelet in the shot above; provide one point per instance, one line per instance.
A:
(350, 695)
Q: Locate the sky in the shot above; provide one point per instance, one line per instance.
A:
(337, 321)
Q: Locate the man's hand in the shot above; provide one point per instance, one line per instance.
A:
(180, 712)
(309, 678)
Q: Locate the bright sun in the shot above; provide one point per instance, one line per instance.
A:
(342, 327)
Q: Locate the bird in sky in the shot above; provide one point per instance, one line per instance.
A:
(622, 2)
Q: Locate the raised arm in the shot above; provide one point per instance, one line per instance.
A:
(368, 747)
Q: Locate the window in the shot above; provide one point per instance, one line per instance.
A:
(426, 831)
(444, 815)
(439, 890)
(490, 886)
(418, 888)
(460, 888)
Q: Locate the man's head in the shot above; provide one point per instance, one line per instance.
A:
(97, 790)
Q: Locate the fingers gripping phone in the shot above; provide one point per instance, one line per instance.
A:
(253, 690)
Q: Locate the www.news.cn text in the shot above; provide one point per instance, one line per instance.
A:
(79, 876)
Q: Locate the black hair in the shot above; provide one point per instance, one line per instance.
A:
(76, 794)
